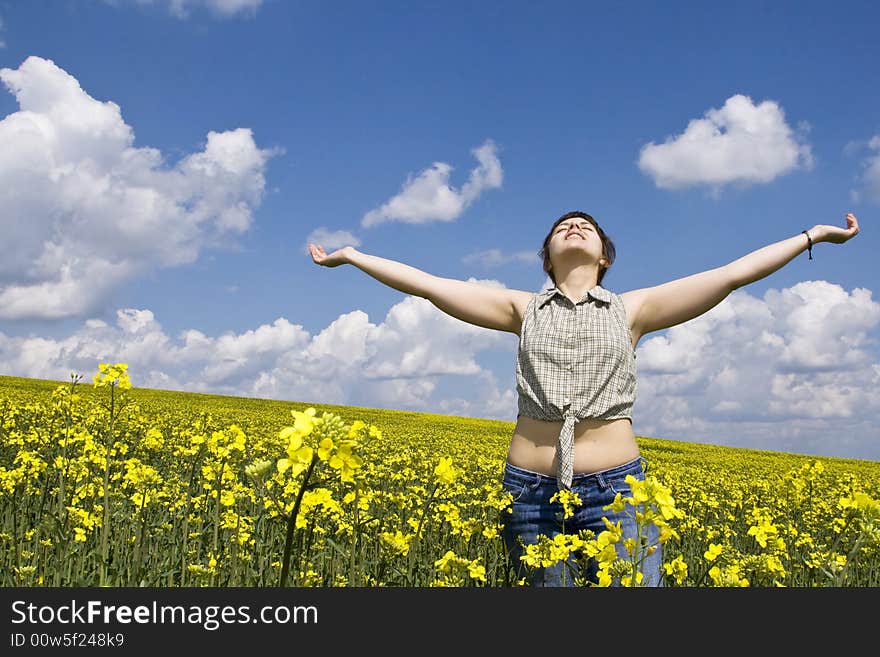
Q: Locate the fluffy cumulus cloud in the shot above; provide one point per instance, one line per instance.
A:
(496, 258)
(869, 179)
(429, 197)
(224, 8)
(84, 210)
(330, 239)
(394, 364)
(796, 370)
(185, 8)
(741, 143)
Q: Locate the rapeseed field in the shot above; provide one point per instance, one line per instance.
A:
(102, 484)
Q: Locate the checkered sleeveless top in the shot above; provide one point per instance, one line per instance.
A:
(575, 361)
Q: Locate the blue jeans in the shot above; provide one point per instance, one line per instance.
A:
(533, 514)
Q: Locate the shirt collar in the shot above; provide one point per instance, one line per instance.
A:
(598, 292)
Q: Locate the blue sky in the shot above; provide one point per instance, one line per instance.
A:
(164, 164)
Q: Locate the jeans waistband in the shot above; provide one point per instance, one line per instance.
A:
(529, 476)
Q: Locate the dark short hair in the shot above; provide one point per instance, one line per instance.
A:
(607, 245)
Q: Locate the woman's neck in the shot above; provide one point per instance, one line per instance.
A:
(576, 282)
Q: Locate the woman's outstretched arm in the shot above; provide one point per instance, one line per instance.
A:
(481, 305)
(679, 301)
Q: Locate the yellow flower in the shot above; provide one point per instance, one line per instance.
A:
(324, 449)
(477, 571)
(290, 434)
(728, 576)
(569, 500)
(677, 569)
(304, 422)
(715, 574)
(639, 489)
(605, 578)
(861, 502)
(763, 531)
(713, 552)
(447, 581)
(154, 439)
(667, 532)
(628, 580)
(618, 505)
(299, 456)
(397, 542)
(346, 462)
(445, 563)
(548, 551)
(112, 375)
(445, 472)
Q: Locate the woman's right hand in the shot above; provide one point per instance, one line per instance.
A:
(338, 257)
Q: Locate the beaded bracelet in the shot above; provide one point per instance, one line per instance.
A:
(809, 244)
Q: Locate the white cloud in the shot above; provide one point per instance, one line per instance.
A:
(403, 393)
(222, 8)
(792, 371)
(795, 370)
(135, 321)
(402, 349)
(495, 402)
(853, 147)
(740, 143)
(393, 364)
(496, 258)
(219, 8)
(331, 239)
(428, 196)
(870, 177)
(85, 210)
(239, 357)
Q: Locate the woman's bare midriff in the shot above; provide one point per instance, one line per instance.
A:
(598, 444)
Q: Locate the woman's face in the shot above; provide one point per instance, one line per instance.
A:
(574, 235)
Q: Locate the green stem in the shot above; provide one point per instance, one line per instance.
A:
(105, 528)
(15, 540)
(425, 512)
(138, 545)
(850, 558)
(352, 562)
(218, 489)
(234, 567)
(291, 521)
(415, 541)
(637, 551)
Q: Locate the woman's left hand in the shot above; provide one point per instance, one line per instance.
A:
(838, 235)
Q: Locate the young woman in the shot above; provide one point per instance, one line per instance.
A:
(575, 369)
